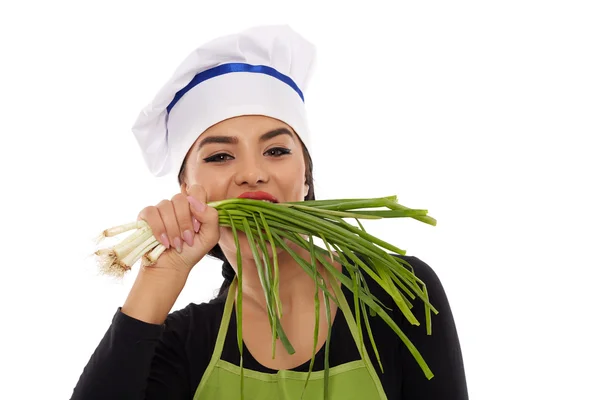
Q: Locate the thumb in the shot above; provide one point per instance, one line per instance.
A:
(198, 197)
(207, 217)
(197, 191)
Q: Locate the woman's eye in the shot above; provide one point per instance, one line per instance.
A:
(221, 157)
(278, 152)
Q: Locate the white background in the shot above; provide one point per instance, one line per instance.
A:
(484, 113)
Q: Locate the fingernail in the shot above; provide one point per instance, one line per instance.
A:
(198, 206)
(165, 240)
(177, 243)
(188, 236)
(196, 225)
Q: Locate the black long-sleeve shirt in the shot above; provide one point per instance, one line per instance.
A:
(138, 360)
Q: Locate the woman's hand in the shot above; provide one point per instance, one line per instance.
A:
(189, 229)
(186, 226)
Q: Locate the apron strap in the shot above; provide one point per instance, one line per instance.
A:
(216, 356)
(345, 308)
(224, 323)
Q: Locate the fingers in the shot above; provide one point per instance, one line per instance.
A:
(175, 221)
(167, 213)
(184, 217)
(152, 216)
(171, 222)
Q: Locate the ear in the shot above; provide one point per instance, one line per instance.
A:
(306, 189)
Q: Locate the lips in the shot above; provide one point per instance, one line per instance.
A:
(258, 196)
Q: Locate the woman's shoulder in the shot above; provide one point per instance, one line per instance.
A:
(422, 271)
(426, 274)
(196, 318)
(417, 266)
(208, 308)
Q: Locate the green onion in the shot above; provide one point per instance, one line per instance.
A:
(268, 224)
(313, 264)
(238, 312)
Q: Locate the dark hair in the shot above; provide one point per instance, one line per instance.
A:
(216, 252)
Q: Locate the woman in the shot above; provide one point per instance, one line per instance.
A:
(231, 123)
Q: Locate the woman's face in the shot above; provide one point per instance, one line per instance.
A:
(247, 154)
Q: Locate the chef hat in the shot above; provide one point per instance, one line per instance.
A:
(260, 71)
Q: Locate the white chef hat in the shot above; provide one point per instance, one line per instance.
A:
(260, 71)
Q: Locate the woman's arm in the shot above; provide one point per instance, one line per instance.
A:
(142, 355)
(138, 360)
(441, 350)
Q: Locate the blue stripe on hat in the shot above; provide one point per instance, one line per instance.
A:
(234, 67)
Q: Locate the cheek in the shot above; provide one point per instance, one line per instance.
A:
(214, 184)
(291, 180)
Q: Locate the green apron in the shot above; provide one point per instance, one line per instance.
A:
(354, 380)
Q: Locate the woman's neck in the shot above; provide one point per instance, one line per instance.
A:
(296, 287)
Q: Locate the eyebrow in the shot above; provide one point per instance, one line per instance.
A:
(234, 140)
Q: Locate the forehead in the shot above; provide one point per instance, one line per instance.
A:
(246, 125)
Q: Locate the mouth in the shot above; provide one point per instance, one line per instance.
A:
(264, 196)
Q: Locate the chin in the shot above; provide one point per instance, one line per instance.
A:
(227, 244)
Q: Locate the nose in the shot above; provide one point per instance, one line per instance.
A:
(251, 172)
